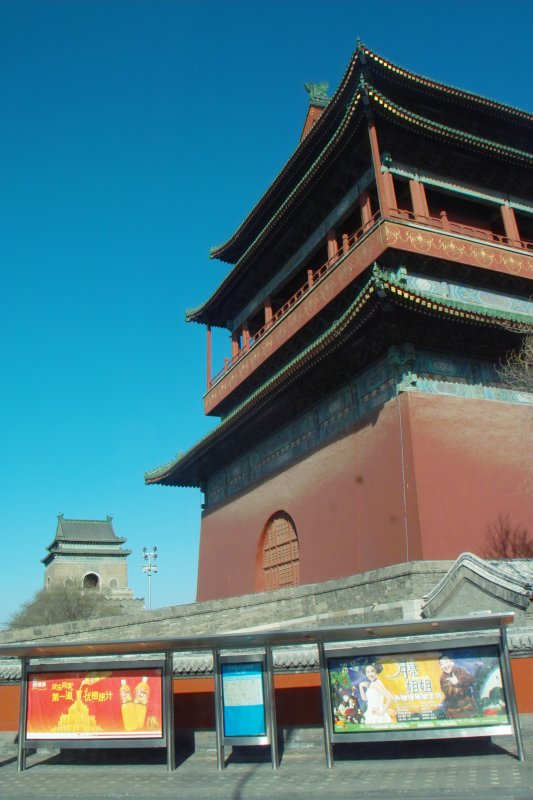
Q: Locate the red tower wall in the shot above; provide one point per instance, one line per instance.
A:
(423, 478)
(346, 500)
(472, 459)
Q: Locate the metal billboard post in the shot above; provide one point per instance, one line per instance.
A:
(509, 688)
(219, 712)
(271, 702)
(326, 705)
(169, 713)
(21, 752)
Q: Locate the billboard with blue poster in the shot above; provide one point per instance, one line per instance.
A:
(243, 699)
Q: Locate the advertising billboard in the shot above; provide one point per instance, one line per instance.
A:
(437, 689)
(243, 699)
(96, 704)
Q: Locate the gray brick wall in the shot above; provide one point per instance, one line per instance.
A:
(391, 593)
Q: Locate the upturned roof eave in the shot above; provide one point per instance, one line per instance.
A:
(160, 474)
(352, 111)
(380, 64)
(397, 114)
(394, 288)
(444, 88)
(69, 540)
(87, 553)
(222, 252)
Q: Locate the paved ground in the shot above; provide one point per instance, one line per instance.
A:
(422, 771)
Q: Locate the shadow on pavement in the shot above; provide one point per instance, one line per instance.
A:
(452, 748)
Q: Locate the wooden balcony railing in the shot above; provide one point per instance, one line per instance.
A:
(349, 242)
(445, 224)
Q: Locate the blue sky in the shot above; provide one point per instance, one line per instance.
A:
(135, 135)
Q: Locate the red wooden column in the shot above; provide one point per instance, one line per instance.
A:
(333, 247)
(234, 344)
(366, 208)
(268, 310)
(388, 184)
(209, 356)
(418, 199)
(444, 220)
(245, 335)
(509, 223)
(383, 197)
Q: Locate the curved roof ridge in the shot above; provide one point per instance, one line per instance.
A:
(74, 519)
(341, 128)
(446, 87)
(418, 120)
(463, 309)
(216, 252)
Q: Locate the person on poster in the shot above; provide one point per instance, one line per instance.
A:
(375, 695)
(456, 684)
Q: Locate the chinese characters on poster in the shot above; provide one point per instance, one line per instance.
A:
(95, 705)
(438, 689)
(243, 700)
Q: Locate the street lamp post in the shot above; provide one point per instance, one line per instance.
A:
(150, 556)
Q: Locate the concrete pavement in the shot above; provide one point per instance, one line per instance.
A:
(420, 770)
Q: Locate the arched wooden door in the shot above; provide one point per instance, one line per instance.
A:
(279, 554)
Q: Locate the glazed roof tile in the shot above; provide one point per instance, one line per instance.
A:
(454, 308)
(299, 658)
(444, 88)
(396, 111)
(84, 532)
(87, 530)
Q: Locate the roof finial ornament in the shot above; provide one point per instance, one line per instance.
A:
(360, 50)
(318, 93)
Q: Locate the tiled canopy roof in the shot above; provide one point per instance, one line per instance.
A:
(83, 534)
(87, 530)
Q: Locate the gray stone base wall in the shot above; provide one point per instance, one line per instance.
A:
(384, 595)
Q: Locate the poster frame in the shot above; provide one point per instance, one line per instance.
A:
(164, 741)
(385, 648)
(270, 736)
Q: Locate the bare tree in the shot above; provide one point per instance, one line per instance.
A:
(516, 372)
(505, 540)
(517, 368)
(63, 604)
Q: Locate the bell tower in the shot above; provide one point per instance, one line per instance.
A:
(87, 554)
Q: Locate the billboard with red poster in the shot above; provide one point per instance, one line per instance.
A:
(96, 704)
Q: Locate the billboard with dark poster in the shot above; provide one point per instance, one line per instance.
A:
(455, 687)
